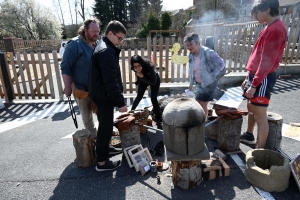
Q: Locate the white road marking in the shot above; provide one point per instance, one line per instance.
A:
(55, 108)
(68, 136)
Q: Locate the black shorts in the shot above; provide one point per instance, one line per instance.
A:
(263, 91)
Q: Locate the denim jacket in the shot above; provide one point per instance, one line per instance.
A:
(76, 62)
(210, 66)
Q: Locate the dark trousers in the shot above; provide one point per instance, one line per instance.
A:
(105, 116)
(154, 91)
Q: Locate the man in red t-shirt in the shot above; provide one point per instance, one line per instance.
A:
(262, 65)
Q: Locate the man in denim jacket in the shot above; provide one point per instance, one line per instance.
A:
(206, 68)
(75, 67)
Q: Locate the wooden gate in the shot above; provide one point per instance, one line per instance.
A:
(33, 75)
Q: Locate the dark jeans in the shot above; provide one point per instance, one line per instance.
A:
(154, 91)
(105, 116)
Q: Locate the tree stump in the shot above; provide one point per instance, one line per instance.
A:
(186, 174)
(229, 134)
(130, 137)
(84, 147)
(275, 135)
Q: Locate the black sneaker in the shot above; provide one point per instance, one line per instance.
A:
(114, 150)
(109, 165)
(247, 138)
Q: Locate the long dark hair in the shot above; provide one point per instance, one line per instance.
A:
(145, 63)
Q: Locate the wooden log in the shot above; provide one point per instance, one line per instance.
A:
(229, 134)
(84, 147)
(186, 174)
(275, 135)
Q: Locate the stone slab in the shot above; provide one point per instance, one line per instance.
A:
(203, 155)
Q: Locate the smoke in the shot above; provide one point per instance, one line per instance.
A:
(211, 15)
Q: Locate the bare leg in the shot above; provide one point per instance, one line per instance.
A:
(260, 116)
(204, 106)
(251, 120)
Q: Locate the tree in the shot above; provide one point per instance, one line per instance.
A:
(28, 20)
(155, 6)
(107, 10)
(153, 23)
(166, 22)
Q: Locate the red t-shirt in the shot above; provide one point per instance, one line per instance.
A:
(267, 51)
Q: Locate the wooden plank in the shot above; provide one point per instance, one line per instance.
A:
(160, 58)
(220, 43)
(58, 75)
(49, 74)
(26, 64)
(237, 50)
(250, 42)
(43, 75)
(153, 56)
(226, 47)
(185, 74)
(173, 79)
(123, 70)
(134, 78)
(167, 40)
(149, 48)
(231, 52)
(15, 78)
(295, 36)
(21, 72)
(130, 73)
(243, 50)
(36, 78)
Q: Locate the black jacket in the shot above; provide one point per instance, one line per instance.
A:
(105, 82)
(150, 75)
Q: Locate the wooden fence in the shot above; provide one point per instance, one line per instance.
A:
(21, 45)
(38, 75)
(234, 42)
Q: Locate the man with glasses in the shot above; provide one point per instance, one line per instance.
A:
(75, 67)
(262, 65)
(106, 90)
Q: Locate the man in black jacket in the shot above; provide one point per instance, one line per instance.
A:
(106, 90)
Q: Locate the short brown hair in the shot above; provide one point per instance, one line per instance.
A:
(263, 5)
(115, 27)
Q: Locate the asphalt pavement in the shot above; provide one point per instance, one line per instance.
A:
(37, 159)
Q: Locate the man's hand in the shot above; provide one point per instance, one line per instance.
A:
(123, 109)
(191, 88)
(67, 91)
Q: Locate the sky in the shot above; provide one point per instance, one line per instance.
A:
(167, 5)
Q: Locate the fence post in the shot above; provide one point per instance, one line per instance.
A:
(7, 88)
